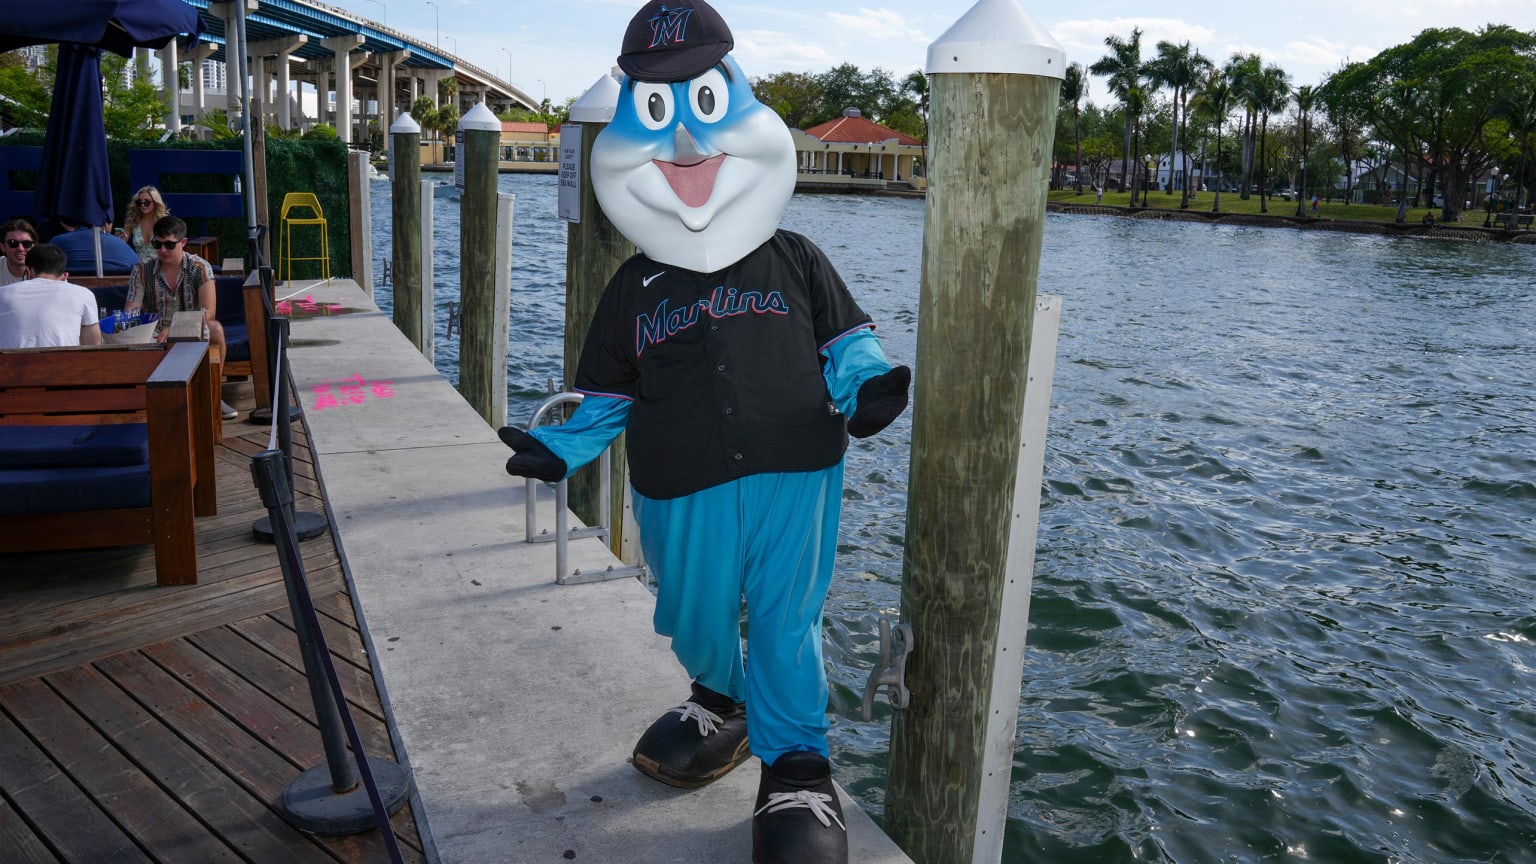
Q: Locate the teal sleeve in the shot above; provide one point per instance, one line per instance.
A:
(591, 428)
(851, 361)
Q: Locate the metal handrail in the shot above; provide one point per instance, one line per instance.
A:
(563, 533)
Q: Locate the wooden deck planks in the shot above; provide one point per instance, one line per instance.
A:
(142, 810)
(161, 724)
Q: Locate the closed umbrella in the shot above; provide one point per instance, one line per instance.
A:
(73, 180)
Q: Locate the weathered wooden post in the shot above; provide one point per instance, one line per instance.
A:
(405, 237)
(482, 313)
(594, 250)
(995, 79)
(360, 205)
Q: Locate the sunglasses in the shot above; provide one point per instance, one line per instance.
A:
(24, 244)
(164, 244)
(145, 203)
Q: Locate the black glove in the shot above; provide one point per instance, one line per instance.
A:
(881, 400)
(532, 459)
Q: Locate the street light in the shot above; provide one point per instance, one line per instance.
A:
(437, 24)
(509, 64)
(380, 4)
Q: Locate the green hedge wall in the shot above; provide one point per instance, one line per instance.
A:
(293, 165)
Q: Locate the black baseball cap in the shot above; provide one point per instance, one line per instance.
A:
(674, 40)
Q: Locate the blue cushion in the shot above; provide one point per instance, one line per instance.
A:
(43, 447)
(237, 343)
(63, 490)
(230, 300)
(111, 297)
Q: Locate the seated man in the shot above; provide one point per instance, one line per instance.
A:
(46, 311)
(80, 249)
(174, 281)
(19, 237)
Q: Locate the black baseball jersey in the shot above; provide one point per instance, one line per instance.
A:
(723, 369)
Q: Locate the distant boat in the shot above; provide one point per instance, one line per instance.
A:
(445, 189)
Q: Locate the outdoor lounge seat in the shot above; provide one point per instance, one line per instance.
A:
(107, 446)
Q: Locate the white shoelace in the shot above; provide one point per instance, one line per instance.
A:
(816, 802)
(708, 720)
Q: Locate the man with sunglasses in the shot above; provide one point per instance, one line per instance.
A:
(174, 281)
(17, 237)
(46, 311)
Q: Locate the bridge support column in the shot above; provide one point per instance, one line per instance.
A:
(342, 46)
(170, 80)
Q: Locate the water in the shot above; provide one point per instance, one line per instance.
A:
(1284, 606)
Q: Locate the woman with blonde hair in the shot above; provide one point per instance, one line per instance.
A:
(146, 208)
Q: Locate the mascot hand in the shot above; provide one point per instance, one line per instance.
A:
(532, 459)
(881, 399)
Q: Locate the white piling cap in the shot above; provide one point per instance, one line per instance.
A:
(405, 124)
(598, 103)
(479, 118)
(997, 36)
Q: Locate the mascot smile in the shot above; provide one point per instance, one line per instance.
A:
(738, 363)
(696, 173)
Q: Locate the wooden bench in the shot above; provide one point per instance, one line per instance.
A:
(93, 412)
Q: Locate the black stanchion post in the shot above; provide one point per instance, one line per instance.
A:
(326, 799)
(306, 525)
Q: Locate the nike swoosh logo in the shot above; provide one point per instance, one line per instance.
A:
(646, 282)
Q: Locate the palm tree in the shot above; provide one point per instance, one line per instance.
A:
(1216, 100)
(1073, 88)
(1135, 100)
(1244, 71)
(1178, 67)
(1520, 111)
(1271, 93)
(916, 84)
(1122, 66)
(1306, 95)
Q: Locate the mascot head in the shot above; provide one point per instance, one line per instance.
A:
(693, 169)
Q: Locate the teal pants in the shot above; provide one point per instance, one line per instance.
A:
(768, 539)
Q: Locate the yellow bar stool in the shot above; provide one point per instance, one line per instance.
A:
(302, 201)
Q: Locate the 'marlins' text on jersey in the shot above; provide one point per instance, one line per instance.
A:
(723, 302)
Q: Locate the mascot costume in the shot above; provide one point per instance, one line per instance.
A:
(738, 363)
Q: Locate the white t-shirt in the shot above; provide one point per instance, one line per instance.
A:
(5, 274)
(44, 313)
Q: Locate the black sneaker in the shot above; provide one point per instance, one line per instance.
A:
(798, 818)
(695, 743)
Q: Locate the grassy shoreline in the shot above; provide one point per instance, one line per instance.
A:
(1362, 218)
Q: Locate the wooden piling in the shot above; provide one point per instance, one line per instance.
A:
(482, 361)
(993, 91)
(594, 250)
(405, 236)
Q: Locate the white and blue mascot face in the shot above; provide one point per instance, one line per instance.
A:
(693, 169)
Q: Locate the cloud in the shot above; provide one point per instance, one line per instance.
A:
(1083, 39)
(879, 25)
(762, 52)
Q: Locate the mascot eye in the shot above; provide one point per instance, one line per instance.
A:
(709, 96)
(653, 105)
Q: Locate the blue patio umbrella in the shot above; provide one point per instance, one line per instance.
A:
(73, 180)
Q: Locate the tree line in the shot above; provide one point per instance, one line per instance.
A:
(1429, 120)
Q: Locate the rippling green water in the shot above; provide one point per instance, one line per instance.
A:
(1285, 594)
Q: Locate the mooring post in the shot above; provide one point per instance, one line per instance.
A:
(428, 275)
(405, 237)
(479, 355)
(594, 250)
(360, 205)
(995, 80)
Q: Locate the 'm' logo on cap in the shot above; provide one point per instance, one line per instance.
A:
(669, 26)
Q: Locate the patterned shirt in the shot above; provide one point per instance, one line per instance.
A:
(166, 300)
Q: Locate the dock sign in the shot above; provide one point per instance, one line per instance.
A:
(570, 172)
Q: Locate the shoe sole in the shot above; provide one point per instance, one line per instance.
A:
(654, 770)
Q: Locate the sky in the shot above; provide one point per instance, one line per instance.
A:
(556, 49)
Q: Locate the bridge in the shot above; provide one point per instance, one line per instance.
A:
(312, 63)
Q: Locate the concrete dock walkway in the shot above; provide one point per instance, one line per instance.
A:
(516, 700)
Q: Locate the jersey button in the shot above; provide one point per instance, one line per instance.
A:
(730, 410)
(720, 368)
(714, 327)
(737, 457)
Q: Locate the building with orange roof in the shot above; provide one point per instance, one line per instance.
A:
(853, 151)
